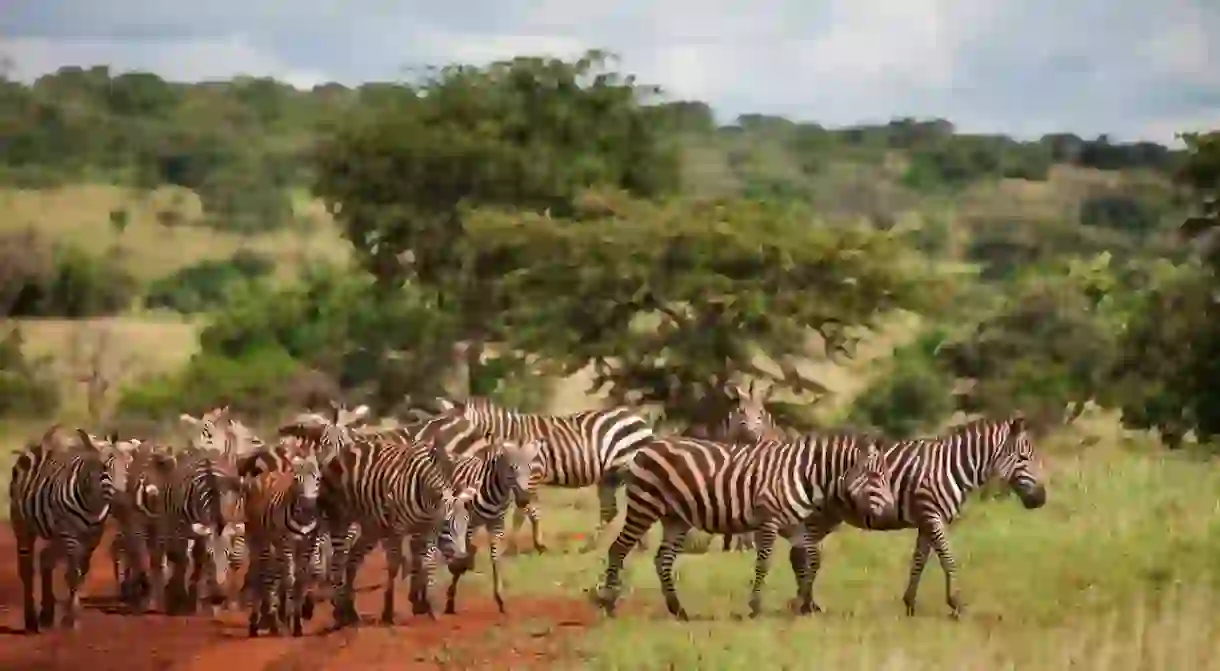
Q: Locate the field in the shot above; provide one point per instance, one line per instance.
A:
(1116, 572)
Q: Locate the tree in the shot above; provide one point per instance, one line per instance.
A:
(1200, 173)
(527, 134)
(671, 301)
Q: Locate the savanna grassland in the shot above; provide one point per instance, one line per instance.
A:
(166, 248)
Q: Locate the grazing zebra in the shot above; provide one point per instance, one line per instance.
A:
(733, 488)
(62, 496)
(932, 478)
(282, 522)
(745, 420)
(391, 489)
(495, 476)
(580, 450)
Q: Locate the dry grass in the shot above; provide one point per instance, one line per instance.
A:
(80, 215)
(121, 348)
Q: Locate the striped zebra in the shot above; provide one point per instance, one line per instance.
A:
(932, 478)
(745, 420)
(391, 489)
(63, 496)
(201, 499)
(505, 469)
(138, 548)
(580, 450)
(688, 483)
(282, 522)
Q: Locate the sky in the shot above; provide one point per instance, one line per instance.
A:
(1136, 69)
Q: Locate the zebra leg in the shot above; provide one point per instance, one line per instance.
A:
(919, 559)
(255, 596)
(345, 604)
(607, 505)
(175, 590)
(46, 566)
(496, 532)
(673, 536)
(940, 543)
(427, 558)
(527, 507)
(25, 570)
(762, 566)
(457, 568)
(798, 536)
(199, 563)
(156, 570)
(635, 526)
(806, 559)
(393, 565)
(76, 569)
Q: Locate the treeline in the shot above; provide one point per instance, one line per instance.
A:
(550, 216)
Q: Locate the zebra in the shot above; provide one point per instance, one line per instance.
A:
(391, 489)
(580, 450)
(201, 499)
(745, 420)
(734, 488)
(141, 532)
(62, 496)
(282, 522)
(495, 476)
(932, 478)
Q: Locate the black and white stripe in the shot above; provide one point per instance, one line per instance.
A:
(201, 499)
(496, 476)
(391, 489)
(590, 448)
(63, 496)
(745, 420)
(768, 489)
(932, 478)
(282, 523)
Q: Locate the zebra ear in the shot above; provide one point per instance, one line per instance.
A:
(445, 404)
(359, 413)
(189, 420)
(86, 440)
(1017, 423)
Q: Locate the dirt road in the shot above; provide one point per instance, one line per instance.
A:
(533, 635)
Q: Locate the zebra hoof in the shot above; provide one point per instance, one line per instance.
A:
(31, 625)
(307, 608)
(46, 619)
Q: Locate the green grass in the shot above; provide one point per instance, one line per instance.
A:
(1118, 571)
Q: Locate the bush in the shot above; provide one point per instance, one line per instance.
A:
(39, 280)
(913, 397)
(27, 387)
(208, 284)
(259, 383)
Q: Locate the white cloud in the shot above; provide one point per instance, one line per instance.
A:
(1089, 66)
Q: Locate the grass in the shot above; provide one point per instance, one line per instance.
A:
(1118, 571)
(79, 214)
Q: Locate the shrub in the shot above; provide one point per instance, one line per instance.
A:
(208, 284)
(39, 280)
(27, 387)
(914, 396)
(259, 383)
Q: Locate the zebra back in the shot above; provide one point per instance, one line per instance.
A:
(325, 435)
(55, 490)
(579, 449)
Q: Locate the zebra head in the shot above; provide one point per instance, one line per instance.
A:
(116, 455)
(205, 432)
(749, 421)
(1013, 462)
(866, 484)
(307, 478)
(456, 523)
(520, 457)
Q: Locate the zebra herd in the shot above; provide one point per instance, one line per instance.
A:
(304, 511)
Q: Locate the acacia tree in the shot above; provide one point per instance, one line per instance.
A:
(529, 134)
(671, 300)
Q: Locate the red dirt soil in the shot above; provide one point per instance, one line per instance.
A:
(533, 634)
